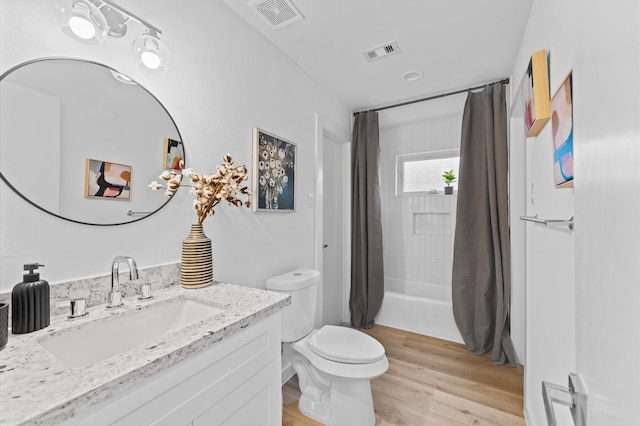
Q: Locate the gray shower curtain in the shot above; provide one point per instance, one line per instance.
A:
(481, 282)
(367, 273)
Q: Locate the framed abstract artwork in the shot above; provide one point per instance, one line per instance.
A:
(535, 94)
(173, 154)
(562, 133)
(107, 180)
(274, 173)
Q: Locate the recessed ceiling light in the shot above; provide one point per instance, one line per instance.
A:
(413, 75)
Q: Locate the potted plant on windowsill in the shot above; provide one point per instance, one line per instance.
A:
(448, 177)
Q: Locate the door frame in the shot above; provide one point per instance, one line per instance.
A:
(326, 128)
(518, 195)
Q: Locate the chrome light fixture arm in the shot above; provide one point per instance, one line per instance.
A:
(130, 16)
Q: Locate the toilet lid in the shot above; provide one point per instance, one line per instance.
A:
(346, 345)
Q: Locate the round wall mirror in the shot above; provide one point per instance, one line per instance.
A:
(81, 141)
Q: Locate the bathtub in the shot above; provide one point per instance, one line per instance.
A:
(418, 307)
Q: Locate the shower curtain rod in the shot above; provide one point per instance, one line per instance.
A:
(503, 81)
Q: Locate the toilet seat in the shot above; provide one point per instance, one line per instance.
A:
(341, 370)
(342, 344)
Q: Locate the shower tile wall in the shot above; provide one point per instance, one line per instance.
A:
(417, 230)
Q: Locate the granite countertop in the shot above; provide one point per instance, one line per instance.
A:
(38, 389)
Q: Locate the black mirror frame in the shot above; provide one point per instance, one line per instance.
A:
(14, 189)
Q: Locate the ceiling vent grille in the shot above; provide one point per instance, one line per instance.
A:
(382, 51)
(280, 13)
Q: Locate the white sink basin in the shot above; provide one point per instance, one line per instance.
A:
(101, 339)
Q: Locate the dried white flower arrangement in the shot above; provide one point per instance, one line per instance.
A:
(223, 185)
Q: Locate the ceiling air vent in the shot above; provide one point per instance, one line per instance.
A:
(382, 51)
(280, 13)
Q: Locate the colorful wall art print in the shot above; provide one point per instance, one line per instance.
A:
(274, 173)
(107, 180)
(173, 154)
(535, 94)
(562, 132)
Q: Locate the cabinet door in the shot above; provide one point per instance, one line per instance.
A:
(251, 403)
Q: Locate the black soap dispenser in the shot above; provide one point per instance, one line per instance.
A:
(30, 309)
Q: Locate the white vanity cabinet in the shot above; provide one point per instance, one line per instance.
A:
(235, 381)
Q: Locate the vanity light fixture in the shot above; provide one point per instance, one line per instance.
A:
(91, 21)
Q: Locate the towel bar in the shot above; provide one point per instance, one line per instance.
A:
(549, 222)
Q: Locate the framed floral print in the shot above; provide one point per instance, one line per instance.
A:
(274, 173)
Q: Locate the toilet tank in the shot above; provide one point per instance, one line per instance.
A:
(302, 286)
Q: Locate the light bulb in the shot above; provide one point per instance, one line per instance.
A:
(150, 60)
(82, 28)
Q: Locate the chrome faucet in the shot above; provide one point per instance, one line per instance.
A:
(115, 296)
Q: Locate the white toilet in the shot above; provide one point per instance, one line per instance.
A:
(334, 364)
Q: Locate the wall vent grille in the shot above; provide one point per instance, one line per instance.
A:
(280, 13)
(382, 51)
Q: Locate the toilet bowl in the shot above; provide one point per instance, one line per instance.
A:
(334, 364)
(334, 367)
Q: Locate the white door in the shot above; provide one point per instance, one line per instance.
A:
(332, 214)
(332, 223)
(550, 284)
(607, 165)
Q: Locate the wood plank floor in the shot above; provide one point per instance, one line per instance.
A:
(432, 382)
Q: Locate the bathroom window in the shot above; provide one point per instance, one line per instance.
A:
(422, 172)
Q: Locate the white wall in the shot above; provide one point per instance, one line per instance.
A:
(224, 79)
(586, 317)
(20, 107)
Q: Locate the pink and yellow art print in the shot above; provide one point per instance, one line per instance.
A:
(107, 180)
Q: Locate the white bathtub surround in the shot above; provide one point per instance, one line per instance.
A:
(95, 289)
(417, 230)
(37, 389)
(418, 234)
(420, 308)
